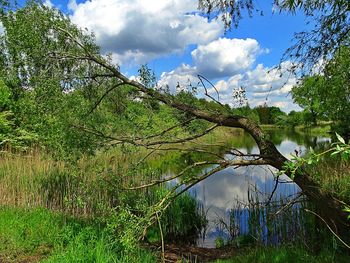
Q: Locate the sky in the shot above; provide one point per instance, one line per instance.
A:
(178, 43)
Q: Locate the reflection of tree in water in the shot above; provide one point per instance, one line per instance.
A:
(176, 162)
(300, 138)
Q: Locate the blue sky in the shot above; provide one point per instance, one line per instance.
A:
(177, 43)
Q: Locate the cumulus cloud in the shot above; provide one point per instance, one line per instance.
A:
(181, 76)
(263, 80)
(2, 29)
(220, 58)
(271, 85)
(140, 30)
(48, 3)
(262, 84)
(72, 5)
(224, 57)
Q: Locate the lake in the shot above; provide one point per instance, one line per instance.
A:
(226, 195)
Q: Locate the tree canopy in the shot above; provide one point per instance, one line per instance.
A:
(328, 95)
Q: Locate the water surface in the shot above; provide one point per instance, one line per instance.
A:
(232, 188)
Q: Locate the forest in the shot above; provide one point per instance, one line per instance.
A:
(96, 166)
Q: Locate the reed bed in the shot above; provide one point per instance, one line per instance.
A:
(80, 188)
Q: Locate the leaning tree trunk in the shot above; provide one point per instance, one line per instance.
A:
(328, 207)
(331, 208)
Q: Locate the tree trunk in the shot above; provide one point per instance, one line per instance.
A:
(331, 208)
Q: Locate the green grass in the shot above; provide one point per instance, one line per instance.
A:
(322, 128)
(333, 174)
(284, 254)
(50, 237)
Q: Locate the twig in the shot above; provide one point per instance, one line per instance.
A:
(201, 78)
(161, 237)
(330, 229)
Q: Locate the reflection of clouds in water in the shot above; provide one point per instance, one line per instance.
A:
(220, 192)
(222, 188)
(287, 148)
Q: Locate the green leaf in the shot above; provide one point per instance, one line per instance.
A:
(340, 138)
(334, 153)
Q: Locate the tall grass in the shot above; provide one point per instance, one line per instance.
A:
(83, 188)
(93, 187)
(35, 181)
(266, 224)
(39, 234)
(285, 254)
(333, 174)
(280, 221)
(90, 185)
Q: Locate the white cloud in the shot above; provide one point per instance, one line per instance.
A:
(262, 84)
(263, 81)
(220, 58)
(2, 29)
(48, 3)
(72, 5)
(181, 76)
(225, 57)
(141, 30)
(265, 85)
(225, 87)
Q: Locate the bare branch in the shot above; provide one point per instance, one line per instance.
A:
(201, 78)
(104, 95)
(157, 182)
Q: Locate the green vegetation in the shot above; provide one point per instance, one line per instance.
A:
(333, 174)
(79, 144)
(320, 101)
(84, 196)
(284, 254)
(38, 234)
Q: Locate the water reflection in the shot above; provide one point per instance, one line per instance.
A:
(224, 190)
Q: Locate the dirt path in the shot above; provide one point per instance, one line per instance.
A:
(21, 259)
(176, 253)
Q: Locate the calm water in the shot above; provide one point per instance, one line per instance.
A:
(230, 188)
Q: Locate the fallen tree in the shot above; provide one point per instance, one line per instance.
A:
(329, 207)
(71, 47)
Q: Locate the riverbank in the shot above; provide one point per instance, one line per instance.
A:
(83, 198)
(322, 128)
(38, 235)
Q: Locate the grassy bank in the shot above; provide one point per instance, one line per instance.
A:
(95, 220)
(333, 174)
(40, 235)
(322, 128)
(284, 254)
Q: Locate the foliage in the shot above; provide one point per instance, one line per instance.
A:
(335, 100)
(297, 162)
(307, 95)
(41, 88)
(247, 112)
(269, 115)
(56, 238)
(284, 254)
(327, 95)
(183, 220)
(10, 134)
